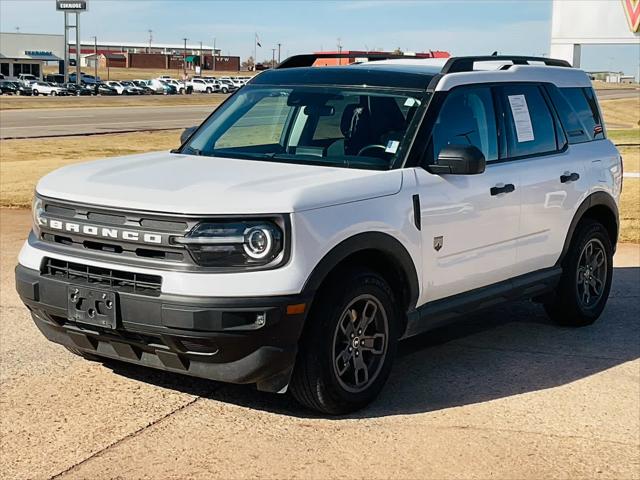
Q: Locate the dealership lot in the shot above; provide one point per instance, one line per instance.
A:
(505, 394)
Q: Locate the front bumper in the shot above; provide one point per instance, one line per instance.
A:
(214, 338)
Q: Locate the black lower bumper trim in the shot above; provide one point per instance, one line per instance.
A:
(215, 338)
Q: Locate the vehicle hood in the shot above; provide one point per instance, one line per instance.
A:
(176, 183)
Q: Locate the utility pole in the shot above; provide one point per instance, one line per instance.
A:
(200, 62)
(279, 45)
(213, 54)
(95, 63)
(184, 60)
(78, 50)
(339, 52)
(66, 47)
(150, 39)
(273, 58)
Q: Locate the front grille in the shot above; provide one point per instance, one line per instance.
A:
(119, 280)
(133, 251)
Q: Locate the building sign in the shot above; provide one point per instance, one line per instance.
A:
(632, 9)
(38, 53)
(71, 5)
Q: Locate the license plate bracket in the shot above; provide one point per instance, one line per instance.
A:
(92, 306)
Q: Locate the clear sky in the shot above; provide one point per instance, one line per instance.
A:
(461, 27)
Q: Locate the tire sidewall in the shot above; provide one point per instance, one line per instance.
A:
(588, 232)
(359, 283)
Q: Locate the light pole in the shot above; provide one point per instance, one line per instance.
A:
(279, 45)
(339, 52)
(200, 59)
(273, 58)
(184, 60)
(213, 54)
(95, 63)
(150, 38)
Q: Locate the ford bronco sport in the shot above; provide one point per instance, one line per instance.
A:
(319, 215)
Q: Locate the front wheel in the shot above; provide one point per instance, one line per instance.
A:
(348, 348)
(208, 89)
(53, 93)
(586, 278)
(36, 93)
(225, 90)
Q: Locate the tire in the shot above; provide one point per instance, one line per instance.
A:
(336, 372)
(586, 278)
(53, 93)
(83, 354)
(181, 91)
(35, 93)
(225, 90)
(208, 90)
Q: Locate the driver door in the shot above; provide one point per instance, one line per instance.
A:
(469, 223)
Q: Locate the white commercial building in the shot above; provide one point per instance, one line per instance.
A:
(28, 52)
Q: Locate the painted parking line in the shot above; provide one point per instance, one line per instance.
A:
(632, 175)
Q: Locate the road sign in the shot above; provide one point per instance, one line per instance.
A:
(71, 5)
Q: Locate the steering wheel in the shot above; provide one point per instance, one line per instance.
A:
(373, 145)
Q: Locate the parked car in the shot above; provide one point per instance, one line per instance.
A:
(25, 90)
(84, 78)
(200, 85)
(424, 190)
(226, 85)
(79, 90)
(123, 89)
(104, 89)
(26, 78)
(55, 78)
(170, 89)
(8, 88)
(132, 87)
(146, 89)
(45, 88)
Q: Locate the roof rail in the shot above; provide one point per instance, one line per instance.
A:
(465, 64)
(308, 59)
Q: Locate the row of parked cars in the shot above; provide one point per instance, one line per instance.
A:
(54, 85)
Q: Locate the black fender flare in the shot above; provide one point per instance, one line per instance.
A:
(593, 200)
(379, 241)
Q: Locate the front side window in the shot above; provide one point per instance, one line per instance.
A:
(467, 117)
(530, 125)
(328, 125)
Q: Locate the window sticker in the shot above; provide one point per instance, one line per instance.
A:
(522, 118)
(410, 102)
(392, 146)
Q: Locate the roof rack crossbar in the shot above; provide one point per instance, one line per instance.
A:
(307, 60)
(466, 64)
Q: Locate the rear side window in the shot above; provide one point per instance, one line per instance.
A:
(529, 123)
(584, 106)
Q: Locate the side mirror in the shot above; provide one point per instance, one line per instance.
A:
(459, 160)
(186, 134)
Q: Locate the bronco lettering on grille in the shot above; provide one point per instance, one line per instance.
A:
(103, 232)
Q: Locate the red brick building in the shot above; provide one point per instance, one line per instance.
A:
(361, 55)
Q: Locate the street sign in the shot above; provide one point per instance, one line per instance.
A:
(71, 5)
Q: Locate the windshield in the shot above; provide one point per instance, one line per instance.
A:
(334, 126)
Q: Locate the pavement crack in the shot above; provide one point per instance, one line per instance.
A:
(126, 437)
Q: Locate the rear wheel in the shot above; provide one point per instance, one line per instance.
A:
(36, 93)
(53, 93)
(586, 278)
(208, 89)
(348, 348)
(225, 90)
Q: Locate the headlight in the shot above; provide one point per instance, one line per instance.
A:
(234, 244)
(37, 212)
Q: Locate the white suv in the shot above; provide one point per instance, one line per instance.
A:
(320, 215)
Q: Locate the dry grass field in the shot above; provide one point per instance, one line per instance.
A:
(23, 162)
(621, 113)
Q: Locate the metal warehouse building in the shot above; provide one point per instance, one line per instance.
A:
(28, 52)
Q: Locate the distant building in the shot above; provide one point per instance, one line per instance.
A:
(612, 77)
(29, 52)
(363, 56)
(121, 46)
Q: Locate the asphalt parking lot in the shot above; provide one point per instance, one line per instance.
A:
(504, 394)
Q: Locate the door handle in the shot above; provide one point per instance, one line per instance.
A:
(508, 188)
(569, 177)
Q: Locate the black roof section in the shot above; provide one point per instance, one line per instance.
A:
(466, 64)
(384, 76)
